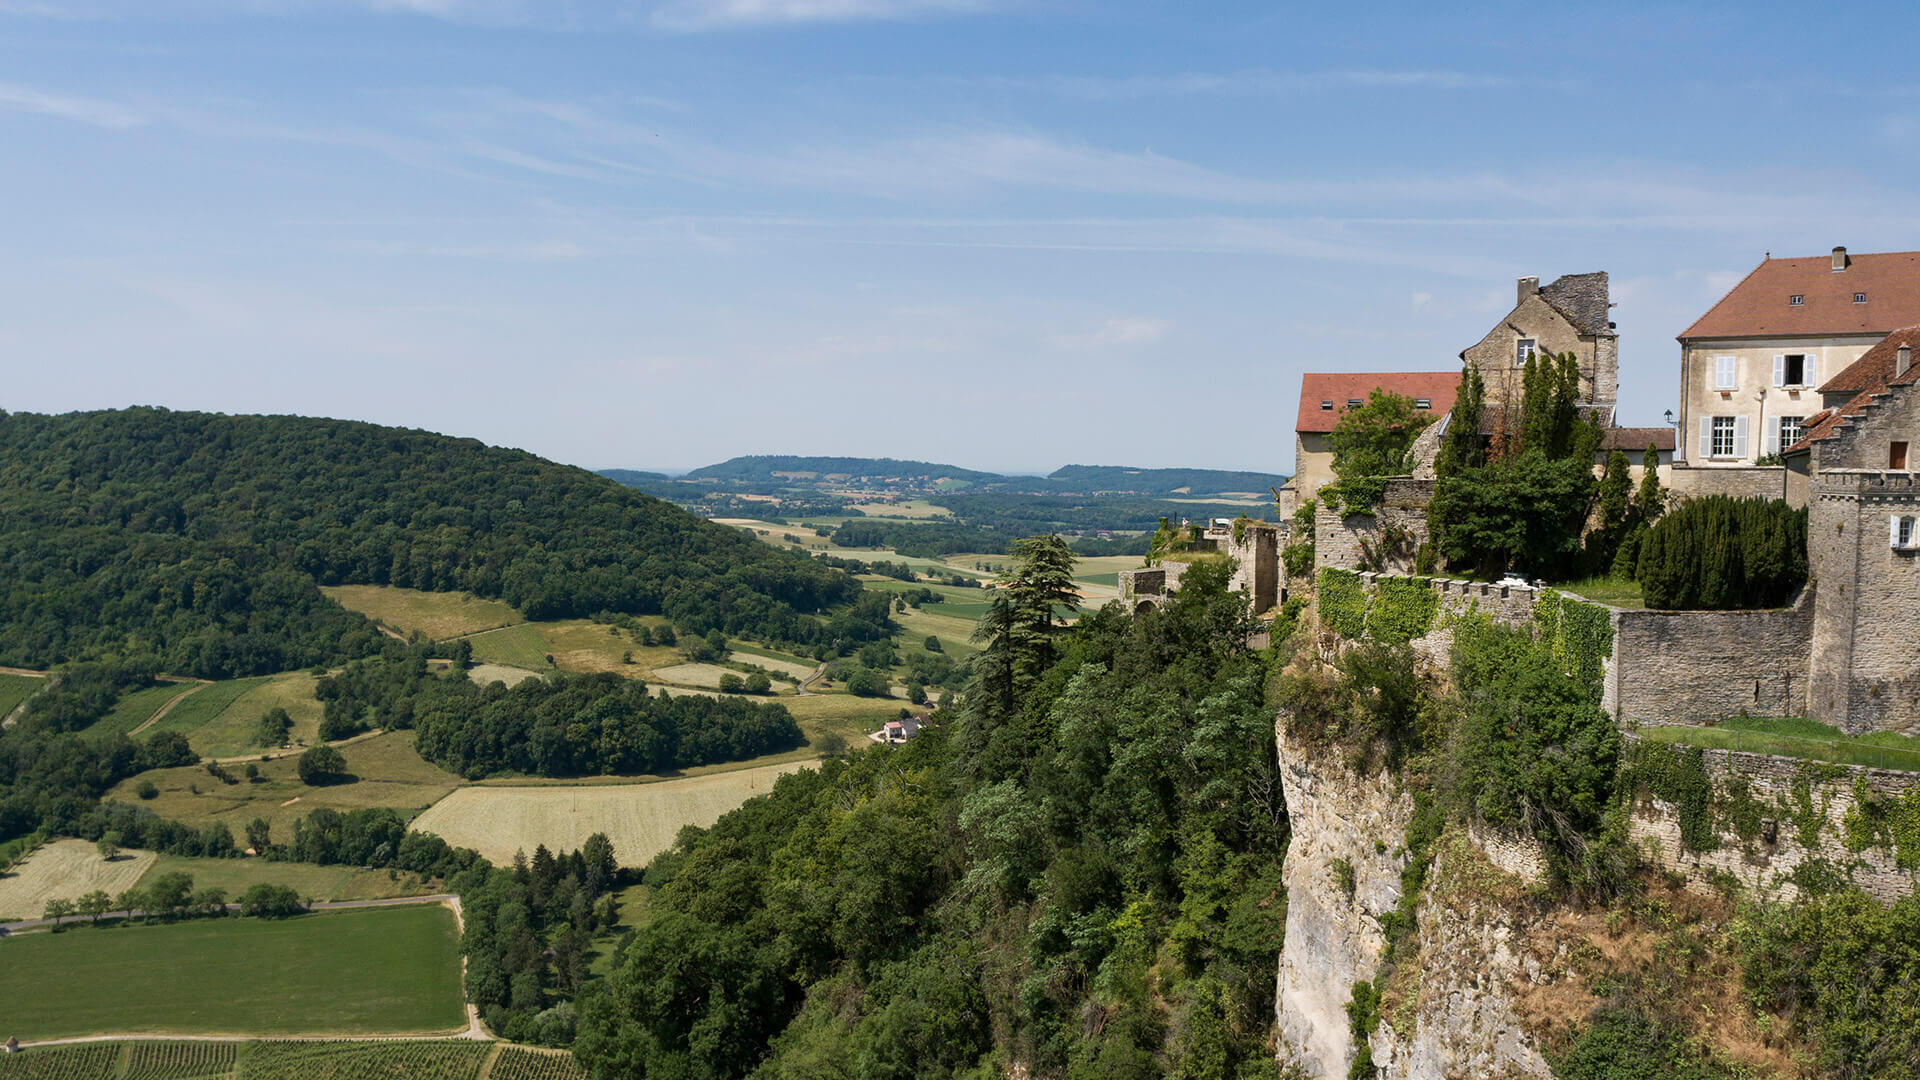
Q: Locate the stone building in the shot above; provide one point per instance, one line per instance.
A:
(1326, 396)
(1750, 366)
(1854, 472)
(1573, 314)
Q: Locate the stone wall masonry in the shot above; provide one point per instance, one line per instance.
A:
(1765, 867)
(1699, 667)
(1739, 481)
(1386, 539)
(1865, 670)
(1509, 605)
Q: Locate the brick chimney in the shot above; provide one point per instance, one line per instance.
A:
(1528, 287)
(1902, 360)
(1839, 259)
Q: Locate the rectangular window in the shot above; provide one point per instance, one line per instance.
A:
(1326, 406)
(1859, 298)
(1724, 369)
(1795, 370)
(1722, 436)
(1791, 429)
(1423, 403)
(1903, 533)
(1353, 403)
(1523, 351)
(1897, 456)
(1796, 300)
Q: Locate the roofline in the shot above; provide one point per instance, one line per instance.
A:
(1782, 337)
(1682, 335)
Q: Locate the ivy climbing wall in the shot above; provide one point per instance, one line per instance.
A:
(1392, 609)
(1778, 827)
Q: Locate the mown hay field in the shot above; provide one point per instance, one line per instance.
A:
(65, 870)
(640, 819)
(438, 615)
(388, 772)
(369, 971)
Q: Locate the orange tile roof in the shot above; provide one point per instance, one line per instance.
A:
(1870, 375)
(1759, 306)
(1342, 387)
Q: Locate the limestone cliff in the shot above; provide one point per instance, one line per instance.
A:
(1448, 1010)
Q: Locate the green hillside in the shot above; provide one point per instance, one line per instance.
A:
(200, 539)
(767, 467)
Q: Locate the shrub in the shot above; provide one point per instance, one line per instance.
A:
(732, 684)
(147, 790)
(866, 682)
(321, 765)
(759, 684)
(1343, 603)
(1723, 553)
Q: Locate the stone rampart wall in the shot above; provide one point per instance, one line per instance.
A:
(1510, 605)
(1699, 667)
(1802, 808)
(1740, 481)
(1385, 540)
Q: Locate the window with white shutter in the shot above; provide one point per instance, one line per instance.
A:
(1779, 370)
(1893, 532)
(1792, 428)
(1719, 437)
(1706, 437)
(1740, 436)
(1773, 434)
(1725, 372)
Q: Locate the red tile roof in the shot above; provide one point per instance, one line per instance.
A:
(1342, 387)
(1759, 306)
(1635, 440)
(1871, 374)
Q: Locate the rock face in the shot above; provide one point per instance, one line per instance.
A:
(1448, 1011)
(1333, 914)
(1451, 1011)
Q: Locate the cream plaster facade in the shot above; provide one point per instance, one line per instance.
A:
(1745, 383)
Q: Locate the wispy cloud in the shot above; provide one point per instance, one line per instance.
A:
(1257, 82)
(91, 111)
(730, 14)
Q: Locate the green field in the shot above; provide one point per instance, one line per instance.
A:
(136, 708)
(328, 1059)
(310, 881)
(15, 689)
(347, 972)
(230, 732)
(435, 615)
(203, 705)
(1800, 738)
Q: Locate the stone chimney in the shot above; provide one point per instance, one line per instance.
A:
(1902, 360)
(1528, 287)
(1839, 259)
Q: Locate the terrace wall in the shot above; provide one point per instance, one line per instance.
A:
(1698, 667)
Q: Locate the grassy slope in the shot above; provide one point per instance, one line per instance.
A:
(15, 689)
(438, 615)
(136, 708)
(1798, 737)
(230, 732)
(310, 881)
(352, 972)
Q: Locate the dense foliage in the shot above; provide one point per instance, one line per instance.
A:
(1082, 877)
(198, 538)
(563, 725)
(1369, 444)
(1720, 552)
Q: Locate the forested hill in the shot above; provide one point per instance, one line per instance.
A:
(1164, 481)
(200, 539)
(772, 467)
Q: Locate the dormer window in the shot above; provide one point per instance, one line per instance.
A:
(1859, 298)
(1423, 403)
(1326, 406)
(1523, 351)
(1353, 403)
(1796, 300)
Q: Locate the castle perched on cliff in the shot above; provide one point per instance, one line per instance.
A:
(1799, 384)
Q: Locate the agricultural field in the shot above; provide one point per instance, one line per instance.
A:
(191, 713)
(15, 689)
(367, 971)
(904, 509)
(388, 771)
(437, 615)
(137, 708)
(310, 881)
(523, 1063)
(487, 674)
(230, 732)
(66, 870)
(640, 819)
(317, 1059)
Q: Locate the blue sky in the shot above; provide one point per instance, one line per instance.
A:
(1009, 236)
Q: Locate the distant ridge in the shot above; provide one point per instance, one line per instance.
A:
(766, 467)
(1114, 479)
(1165, 481)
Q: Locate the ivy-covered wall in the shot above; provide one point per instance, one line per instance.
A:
(1776, 827)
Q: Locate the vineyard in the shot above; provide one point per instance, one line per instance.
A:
(344, 1059)
(519, 1063)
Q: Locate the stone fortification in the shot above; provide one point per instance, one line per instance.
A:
(1695, 667)
(1385, 539)
(1865, 666)
(1777, 825)
(1739, 481)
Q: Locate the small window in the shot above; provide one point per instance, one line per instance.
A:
(1353, 403)
(1903, 532)
(1722, 436)
(1523, 351)
(1796, 300)
(1792, 428)
(1859, 298)
(1326, 406)
(1897, 456)
(1423, 403)
(1725, 371)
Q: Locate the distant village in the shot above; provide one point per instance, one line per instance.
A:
(1797, 385)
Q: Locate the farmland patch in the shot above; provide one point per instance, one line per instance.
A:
(66, 870)
(438, 615)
